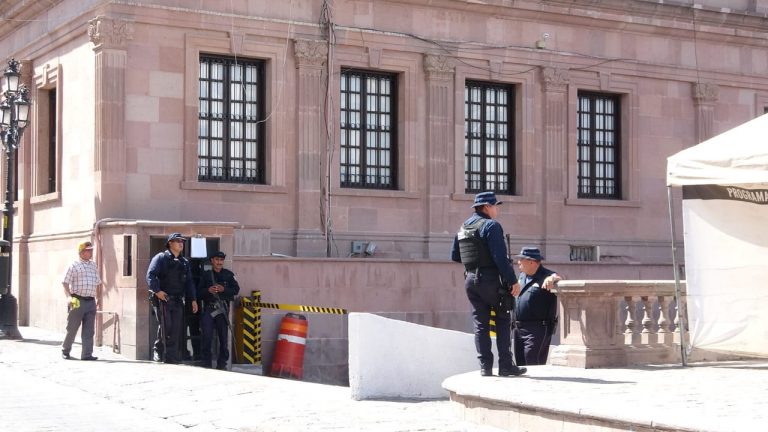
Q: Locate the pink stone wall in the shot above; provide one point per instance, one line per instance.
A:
(127, 77)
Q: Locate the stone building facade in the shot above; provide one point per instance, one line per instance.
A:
(324, 129)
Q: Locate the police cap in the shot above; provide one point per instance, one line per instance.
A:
(174, 236)
(218, 254)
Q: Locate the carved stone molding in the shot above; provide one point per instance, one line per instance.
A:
(706, 92)
(495, 69)
(310, 52)
(374, 57)
(48, 76)
(554, 79)
(107, 32)
(236, 42)
(438, 67)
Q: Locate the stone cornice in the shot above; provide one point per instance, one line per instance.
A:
(438, 67)
(16, 13)
(310, 52)
(109, 33)
(623, 14)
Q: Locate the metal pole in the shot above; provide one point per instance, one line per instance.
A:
(8, 212)
(680, 319)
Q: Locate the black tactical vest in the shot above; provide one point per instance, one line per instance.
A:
(474, 252)
(174, 278)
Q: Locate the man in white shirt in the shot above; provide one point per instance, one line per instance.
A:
(81, 283)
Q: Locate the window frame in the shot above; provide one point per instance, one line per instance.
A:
(364, 131)
(511, 149)
(227, 123)
(592, 179)
(43, 150)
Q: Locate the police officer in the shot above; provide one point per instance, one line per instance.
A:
(536, 308)
(169, 278)
(217, 287)
(489, 282)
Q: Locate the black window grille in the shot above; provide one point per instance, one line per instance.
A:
(599, 145)
(489, 163)
(231, 120)
(368, 141)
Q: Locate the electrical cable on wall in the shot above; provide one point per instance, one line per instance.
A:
(327, 29)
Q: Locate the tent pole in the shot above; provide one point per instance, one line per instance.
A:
(679, 300)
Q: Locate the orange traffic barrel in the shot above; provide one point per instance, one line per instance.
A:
(288, 361)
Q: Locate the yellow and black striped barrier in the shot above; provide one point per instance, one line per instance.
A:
(251, 318)
(252, 328)
(492, 323)
(301, 308)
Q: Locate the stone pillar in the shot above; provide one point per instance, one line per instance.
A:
(705, 96)
(555, 144)
(439, 72)
(23, 210)
(311, 206)
(109, 37)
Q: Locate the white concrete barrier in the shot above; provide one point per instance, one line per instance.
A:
(397, 359)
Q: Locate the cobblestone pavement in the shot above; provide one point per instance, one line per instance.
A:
(43, 392)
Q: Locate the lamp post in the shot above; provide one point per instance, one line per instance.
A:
(14, 118)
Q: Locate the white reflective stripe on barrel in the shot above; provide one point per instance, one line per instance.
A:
(293, 339)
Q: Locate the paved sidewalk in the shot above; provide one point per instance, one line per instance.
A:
(712, 397)
(43, 392)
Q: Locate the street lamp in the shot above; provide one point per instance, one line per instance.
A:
(14, 117)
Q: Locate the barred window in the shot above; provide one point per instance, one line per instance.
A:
(599, 144)
(231, 120)
(368, 130)
(488, 139)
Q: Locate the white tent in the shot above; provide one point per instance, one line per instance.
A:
(725, 220)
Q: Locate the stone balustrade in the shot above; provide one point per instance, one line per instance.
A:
(615, 323)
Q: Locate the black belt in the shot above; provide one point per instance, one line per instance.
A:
(177, 298)
(542, 322)
(79, 297)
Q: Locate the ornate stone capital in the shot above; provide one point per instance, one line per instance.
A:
(107, 32)
(438, 67)
(706, 92)
(554, 79)
(310, 52)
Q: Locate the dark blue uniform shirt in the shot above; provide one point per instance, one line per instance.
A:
(224, 278)
(493, 236)
(535, 303)
(172, 275)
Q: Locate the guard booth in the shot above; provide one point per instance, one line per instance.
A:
(196, 250)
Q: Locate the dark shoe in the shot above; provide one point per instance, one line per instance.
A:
(221, 367)
(89, 358)
(65, 356)
(514, 371)
(486, 372)
(169, 361)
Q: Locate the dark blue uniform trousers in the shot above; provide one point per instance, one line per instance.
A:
(173, 316)
(532, 339)
(209, 324)
(483, 294)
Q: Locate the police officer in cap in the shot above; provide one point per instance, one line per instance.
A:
(536, 308)
(169, 278)
(489, 282)
(217, 287)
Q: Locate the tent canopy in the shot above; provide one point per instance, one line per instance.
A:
(725, 206)
(737, 156)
